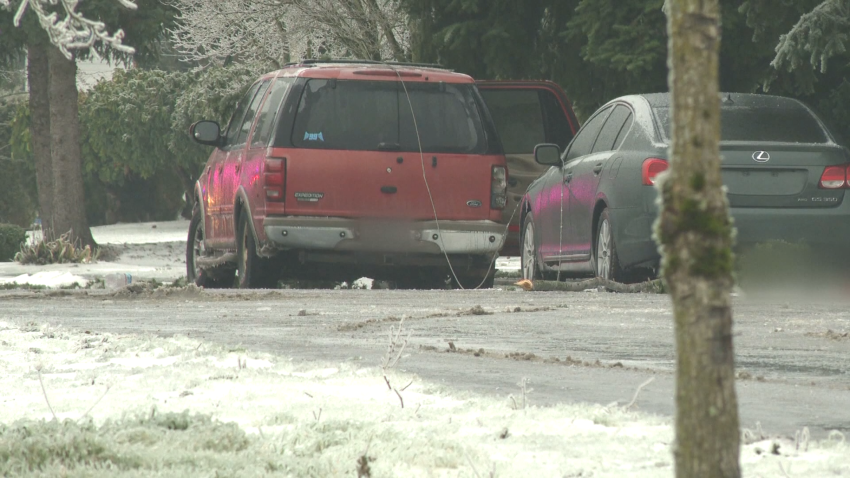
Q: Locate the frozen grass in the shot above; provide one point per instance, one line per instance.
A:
(180, 407)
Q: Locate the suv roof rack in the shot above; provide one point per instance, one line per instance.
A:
(308, 62)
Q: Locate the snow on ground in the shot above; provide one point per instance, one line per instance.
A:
(326, 415)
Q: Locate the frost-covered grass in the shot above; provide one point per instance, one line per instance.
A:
(128, 405)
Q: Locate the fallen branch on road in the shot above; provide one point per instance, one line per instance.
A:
(654, 286)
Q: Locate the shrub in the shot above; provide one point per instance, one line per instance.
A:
(11, 238)
(57, 251)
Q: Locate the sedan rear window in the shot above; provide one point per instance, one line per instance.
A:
(789, 123)
(376, 115)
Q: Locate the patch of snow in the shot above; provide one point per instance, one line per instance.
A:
(508, 263)
(142, 232)
(297, 405)
(52, 279)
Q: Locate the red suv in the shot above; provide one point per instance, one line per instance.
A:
(336, 170)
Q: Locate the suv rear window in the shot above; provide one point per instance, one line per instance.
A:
(375, 115)
(780, 124)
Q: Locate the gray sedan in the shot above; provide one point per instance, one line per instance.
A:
(592, 212)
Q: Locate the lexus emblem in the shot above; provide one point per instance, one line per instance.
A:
(761, 156)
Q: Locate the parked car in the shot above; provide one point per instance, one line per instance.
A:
(592, 212)
(324, 173)
(526, 114)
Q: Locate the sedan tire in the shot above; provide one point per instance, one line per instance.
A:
(530, 265)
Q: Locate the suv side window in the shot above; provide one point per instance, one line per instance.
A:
(558, 128)
(238, 116)
(268, 114)
(245, 129)
(583, 142)
(519, 117)
(618, 117)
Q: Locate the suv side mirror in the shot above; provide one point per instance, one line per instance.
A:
(206, 132)
(548, 154)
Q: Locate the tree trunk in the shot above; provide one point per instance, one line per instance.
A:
(69, 210)
(381, 20)
(695, 233)
(37, 77)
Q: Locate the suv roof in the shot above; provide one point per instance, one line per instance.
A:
(371, 70)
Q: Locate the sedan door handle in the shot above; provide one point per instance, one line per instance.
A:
(598, 168)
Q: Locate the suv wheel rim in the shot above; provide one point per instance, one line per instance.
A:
(528, 256)
(603, 251)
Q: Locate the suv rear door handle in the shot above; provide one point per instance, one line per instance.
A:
(568, 177)
(598, 168)
(389, 189)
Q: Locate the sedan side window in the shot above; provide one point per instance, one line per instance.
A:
(612, 128)
(238, 116)
(583, 142)
(624, 131)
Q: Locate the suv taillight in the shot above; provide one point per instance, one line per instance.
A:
(275, 179)
(835, 177)
(499, 188)
(652, 167)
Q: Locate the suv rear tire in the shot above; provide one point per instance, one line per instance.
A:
(252, 271)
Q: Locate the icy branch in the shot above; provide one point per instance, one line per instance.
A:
(74, 31)
(818, 35)
(274, 32)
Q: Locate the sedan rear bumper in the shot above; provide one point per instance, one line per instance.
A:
(820, 228)
(342, 234)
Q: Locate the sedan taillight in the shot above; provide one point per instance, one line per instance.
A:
(499, 188)
(834, 177)
(652, 167)
(275, 179)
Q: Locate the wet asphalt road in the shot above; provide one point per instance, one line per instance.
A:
(792, 356)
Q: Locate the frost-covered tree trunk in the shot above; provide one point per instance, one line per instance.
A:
(37, 77)
(695, 233)
(69, 211)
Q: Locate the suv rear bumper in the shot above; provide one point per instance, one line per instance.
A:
(361, 235)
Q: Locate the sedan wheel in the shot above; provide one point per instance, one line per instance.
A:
(530, 267)
(606, 262)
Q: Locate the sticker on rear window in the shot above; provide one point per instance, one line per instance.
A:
(314, 137)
